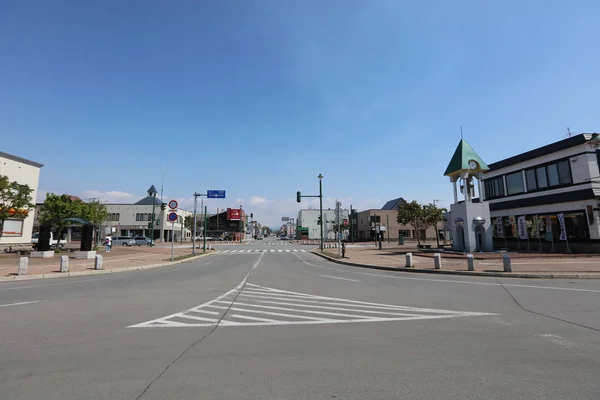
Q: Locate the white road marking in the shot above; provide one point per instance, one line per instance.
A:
(558, 340)
(19, 304)
(272, 251)
(280, 250)
(337, 277)
(287, 251)
(261, 306)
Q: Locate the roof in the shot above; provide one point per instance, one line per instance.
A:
(544, 150)
(21, 160)
(392, 204)
(460, 160)
(147, 201)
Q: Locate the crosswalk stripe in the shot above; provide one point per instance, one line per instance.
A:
(279, 250)
(272, 251)
(287, 251)
(304, 251)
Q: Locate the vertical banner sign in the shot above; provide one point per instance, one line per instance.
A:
(548, 228)
(563, 230)
(522, 228)
(499, 227)
(513, 225)
(535, 230)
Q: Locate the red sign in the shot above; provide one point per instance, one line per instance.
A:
(345, 222)
(233, 214)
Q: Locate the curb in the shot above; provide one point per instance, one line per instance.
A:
(95, 271)
(463, 273)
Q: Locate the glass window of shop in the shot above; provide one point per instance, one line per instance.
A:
(514, 183)
(576, 226)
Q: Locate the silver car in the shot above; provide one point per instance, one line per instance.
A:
(123, 241)
(142, 241)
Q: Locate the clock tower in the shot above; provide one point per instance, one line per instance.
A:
(469, 215)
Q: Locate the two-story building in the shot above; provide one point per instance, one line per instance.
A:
(309, 227)
(556, 188)
(16, 231)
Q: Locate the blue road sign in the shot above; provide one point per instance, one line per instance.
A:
(172, 217)
(215, 194)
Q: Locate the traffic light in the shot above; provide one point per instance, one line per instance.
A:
(298, 197)
(251, 215)
(319, 220)
(163, 206)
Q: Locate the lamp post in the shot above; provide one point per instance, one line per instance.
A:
(241, 224)
(321, 205)
(152, 192)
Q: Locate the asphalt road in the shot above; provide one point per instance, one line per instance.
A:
(289, 325)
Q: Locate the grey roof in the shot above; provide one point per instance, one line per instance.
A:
(392, 204)
(21, 160)
(147, 201)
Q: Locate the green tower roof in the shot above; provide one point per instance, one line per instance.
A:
(460, 160)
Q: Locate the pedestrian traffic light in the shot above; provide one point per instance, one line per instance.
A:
(163, 206)
(298, 196)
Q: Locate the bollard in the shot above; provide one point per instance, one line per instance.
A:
(507, 263)
(437, 261)
(64, 264)
(23, 261)
(409, 260)
(470, 262)
(98, 262)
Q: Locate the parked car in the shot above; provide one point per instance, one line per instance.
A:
(123, 241)
(142, 241)
(215, 238)
(53, 240)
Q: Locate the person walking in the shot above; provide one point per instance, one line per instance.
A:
(108, 243)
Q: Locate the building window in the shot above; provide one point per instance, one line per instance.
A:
(404, 232)
(514, 183)
(494, 187)
(13, 228)
(114, 216)
(549, 176)
(138, 217)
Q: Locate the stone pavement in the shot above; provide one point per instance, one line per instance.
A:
(119, 257)
(393, 255)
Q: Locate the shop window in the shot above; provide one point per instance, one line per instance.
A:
(531, 183)
(13, 228)
(494, 187)
(542, 180)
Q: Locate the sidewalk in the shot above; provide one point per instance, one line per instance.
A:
(534, 265)
(119, 258)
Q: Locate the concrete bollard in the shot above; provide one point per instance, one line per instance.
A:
(470, 262)
(507, 263)
(64, 264)
(437, 261)
(23, 261)
(98, 262)
(409, 260)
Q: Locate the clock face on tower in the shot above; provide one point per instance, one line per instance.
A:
(473, 164)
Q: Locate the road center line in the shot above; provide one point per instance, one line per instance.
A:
(337, 277)
(19, 304)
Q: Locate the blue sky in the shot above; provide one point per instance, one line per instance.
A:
(259, 97)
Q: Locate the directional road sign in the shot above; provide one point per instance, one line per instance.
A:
(172, 217)
(173, 204)
(215, 194)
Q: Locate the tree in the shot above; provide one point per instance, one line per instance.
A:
(188, 223)
(58, 207)
(15, 201)
(96, 214)
(420, 217)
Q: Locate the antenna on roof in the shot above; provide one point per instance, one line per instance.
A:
(162, 182)
(461, 132)
(568, 131)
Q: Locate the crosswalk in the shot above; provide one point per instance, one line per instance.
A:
(257, 305)
(261, 243)
(245, 251)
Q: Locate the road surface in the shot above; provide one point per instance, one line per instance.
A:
(268, 324)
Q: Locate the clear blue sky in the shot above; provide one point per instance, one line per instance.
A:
(259, 97)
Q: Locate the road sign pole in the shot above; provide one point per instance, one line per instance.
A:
(321, 206)
(172, 241)
(194, 237)
(205, 223)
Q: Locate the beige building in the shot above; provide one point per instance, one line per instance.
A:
(18, 232)
(134, 220)
(387, 224)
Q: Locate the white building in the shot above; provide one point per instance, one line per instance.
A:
(135, 219)
(18, 232)
(307, 219)
(560, 181)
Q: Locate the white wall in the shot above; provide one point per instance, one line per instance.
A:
(308, 219)
(24, 174)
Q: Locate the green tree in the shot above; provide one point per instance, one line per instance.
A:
(96, 214)
(188, 223)
(15, 201)
(58, 207)
(420, 217)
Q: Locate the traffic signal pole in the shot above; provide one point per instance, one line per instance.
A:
(320, 196)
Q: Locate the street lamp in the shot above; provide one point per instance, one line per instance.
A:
(321, 205)
(152, 192)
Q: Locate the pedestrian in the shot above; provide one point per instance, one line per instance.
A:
(108, 243)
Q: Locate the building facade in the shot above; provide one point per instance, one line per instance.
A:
(135, 220)
(25, 172)
(547, 199)
(307, 221)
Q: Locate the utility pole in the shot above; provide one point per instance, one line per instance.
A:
(152, 192)
(241, 224)
(196, 195)
(387, 225)
(320, 196)
(437, 234)
(337, 222)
